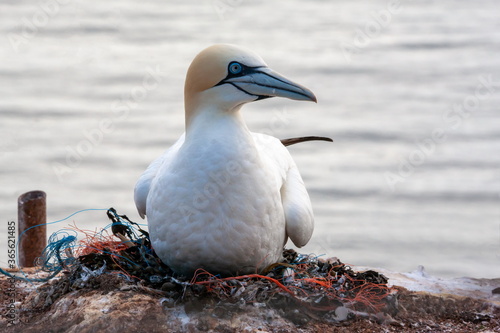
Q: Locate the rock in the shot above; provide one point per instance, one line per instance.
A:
(107, 304)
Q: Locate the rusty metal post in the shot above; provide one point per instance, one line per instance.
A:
(31, 211)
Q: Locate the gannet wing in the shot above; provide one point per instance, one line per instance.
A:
(297, 207)
(295, 200)
(143, 185)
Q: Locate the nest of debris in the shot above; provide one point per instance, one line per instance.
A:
(302, 283)
(116, 271)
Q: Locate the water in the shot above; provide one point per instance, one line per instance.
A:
(92, 92)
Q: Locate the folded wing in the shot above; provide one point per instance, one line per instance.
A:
(143, 185)
(294, 197)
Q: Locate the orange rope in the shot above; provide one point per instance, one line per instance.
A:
(241, 277)
(368, 294)
(95, 242)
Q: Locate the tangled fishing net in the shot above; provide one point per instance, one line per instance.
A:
(302, 282)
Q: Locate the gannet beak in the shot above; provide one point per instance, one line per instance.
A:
(263, 82)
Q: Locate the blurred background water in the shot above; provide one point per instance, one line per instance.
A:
(91, 92)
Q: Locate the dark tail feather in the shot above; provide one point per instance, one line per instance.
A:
(292, 141)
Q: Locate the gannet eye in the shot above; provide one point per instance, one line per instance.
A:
(235, 68)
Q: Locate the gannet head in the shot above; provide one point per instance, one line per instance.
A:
(224, 77)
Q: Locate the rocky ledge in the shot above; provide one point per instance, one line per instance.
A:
(95, 301)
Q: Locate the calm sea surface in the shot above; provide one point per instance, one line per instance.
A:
(91, 92)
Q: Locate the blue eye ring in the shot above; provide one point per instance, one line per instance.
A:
(235, 68)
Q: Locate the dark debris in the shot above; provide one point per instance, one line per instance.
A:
(300, 285)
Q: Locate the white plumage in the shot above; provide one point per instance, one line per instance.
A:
(223, 198)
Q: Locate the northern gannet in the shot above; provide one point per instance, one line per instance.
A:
(223, 198)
